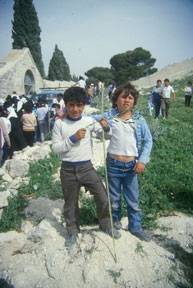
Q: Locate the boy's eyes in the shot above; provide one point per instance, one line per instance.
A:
(129, 96)
(78, 105)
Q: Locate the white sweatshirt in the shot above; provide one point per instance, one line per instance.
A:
(81, 150)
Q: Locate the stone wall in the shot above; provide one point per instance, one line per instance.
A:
(13, 69)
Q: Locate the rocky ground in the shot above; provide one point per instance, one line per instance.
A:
(37, 256)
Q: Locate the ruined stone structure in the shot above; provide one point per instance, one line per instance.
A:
(18, 72)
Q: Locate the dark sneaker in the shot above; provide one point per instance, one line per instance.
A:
(71, 240)
(117, 234)
(117, 225)
(142, 235)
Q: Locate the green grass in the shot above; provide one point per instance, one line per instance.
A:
(167, 182)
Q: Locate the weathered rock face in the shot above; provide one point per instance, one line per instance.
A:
(38, 257)
(14, 170)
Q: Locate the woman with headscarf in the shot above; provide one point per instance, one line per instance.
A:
(17, 139)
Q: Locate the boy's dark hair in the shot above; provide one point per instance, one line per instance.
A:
(166, 80)
(60, 94)
(57, 106)
(128, 88)
(28, 107)
(75, 94)
(190, 83)
(159, 80)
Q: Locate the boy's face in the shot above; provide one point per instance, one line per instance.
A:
(74, 109)
(166, 83)
(125, 103)
(159, 83)
(60, 98)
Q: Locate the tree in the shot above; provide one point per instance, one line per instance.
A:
(74, 78)
(99, 73)
(58, 67)
(132, 65)
(26, 30)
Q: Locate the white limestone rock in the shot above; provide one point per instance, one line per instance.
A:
(1, 213)
(2, 171)
(18, 168)
(7, 178)
(3, 198)
(40, 153)
(13, 192)
(15, 184)
(27, 227)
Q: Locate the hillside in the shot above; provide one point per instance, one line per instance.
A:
(33, 251)
(172, 71)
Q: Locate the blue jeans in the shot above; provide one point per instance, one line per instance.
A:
(121, 178)
(157, 104)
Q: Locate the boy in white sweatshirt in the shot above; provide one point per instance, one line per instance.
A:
(72, 141)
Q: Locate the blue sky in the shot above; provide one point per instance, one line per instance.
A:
(90, 32)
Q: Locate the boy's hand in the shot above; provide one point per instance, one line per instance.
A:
(104, 123)
(80, 134)
(139, 168)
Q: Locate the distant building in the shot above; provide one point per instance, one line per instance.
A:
(18, 72)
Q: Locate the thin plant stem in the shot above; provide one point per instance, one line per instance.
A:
(106, 178)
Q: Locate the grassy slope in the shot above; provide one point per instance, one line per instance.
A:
(167, 182)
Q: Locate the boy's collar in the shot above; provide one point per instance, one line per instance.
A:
(71, 119)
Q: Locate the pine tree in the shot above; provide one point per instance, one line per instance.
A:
(58, 67)
(26, 30)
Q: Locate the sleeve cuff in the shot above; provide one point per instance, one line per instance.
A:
(72, 139)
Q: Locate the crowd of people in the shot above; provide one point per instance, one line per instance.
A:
(160, 98)
(22, 122)
(96, 90)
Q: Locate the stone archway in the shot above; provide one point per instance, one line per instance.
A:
(29, 82)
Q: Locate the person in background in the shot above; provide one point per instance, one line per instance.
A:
(59, 100)
(42, 113)
(99, 88)
(7, 123)
(150, 104)
(29, 122)
(114, 86)
(14, 94)
(156, 98)
(55, 110)
(166, 92)
(81, 82)
(17, 138)
(4, 138)
(109, 90)
(88, 94)
(188, 94)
